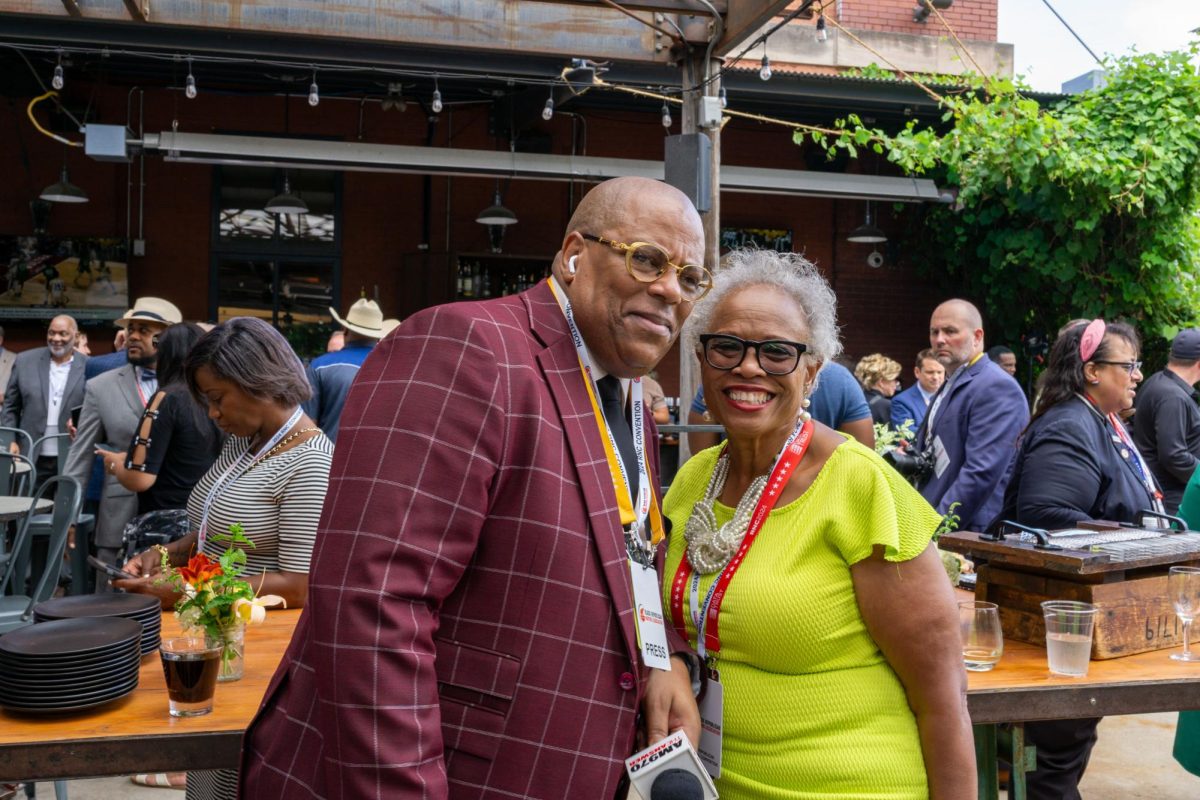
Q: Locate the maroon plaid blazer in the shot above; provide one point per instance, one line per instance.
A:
(469, 630)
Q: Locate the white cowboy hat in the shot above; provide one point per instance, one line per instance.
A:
(390, 325)
(152, 309)
(364, 317)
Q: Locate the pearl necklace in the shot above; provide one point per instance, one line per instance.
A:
(709, 546)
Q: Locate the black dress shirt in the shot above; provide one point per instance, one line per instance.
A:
(1167, 432)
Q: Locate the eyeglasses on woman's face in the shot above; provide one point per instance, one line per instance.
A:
(775, 356)
(647, 262)
(1130, 367)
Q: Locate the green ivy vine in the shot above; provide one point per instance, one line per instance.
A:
(1086, 208)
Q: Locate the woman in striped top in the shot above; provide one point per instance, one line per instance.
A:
(270, 477)
(272, 473)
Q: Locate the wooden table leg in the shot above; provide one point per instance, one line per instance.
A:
(993, 742)
(986, 767)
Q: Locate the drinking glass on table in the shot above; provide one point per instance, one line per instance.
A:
(1183, 587)
(190, 665)
(1069, 625)
(982, 640)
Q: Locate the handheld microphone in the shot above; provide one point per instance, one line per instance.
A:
(676, 784)
(669, 770)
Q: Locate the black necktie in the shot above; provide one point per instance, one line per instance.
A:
(618, 423)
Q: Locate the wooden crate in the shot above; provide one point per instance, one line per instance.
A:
(1133, 613)
(1132, 616)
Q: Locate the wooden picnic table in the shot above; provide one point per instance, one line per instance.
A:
(136, 734)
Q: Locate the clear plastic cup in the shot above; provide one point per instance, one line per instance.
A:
(1069, 625)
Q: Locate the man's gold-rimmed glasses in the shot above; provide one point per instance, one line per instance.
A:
(647, 262)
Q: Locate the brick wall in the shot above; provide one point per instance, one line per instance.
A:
(970, 19)
(881, 310)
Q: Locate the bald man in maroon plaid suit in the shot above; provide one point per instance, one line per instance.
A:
(469, 630)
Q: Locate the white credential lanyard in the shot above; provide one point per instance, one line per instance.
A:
(643, 494)
(238, 468)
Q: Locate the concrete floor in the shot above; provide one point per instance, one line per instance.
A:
(1132, 761)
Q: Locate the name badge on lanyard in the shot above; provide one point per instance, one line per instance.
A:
(705, 616)
(635, 502)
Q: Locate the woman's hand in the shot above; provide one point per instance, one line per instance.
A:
(147, 563)
(669, 704)
(112, 460)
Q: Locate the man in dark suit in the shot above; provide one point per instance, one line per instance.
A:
(470, 627)
(973, 422)
(46, 383)
(910, 405)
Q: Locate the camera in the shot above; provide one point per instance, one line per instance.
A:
(912, 464)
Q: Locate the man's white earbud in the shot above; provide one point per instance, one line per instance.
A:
(571, 265)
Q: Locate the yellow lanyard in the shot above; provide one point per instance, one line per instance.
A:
(632, 521)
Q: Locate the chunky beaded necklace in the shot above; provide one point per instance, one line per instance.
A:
(709, 546)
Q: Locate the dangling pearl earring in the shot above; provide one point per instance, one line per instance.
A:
(804, 415)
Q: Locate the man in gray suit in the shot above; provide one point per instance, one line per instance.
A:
(7, 359)
(46, 383)
(112, 407)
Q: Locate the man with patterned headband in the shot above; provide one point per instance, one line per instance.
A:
(970, 431)
(470, 629)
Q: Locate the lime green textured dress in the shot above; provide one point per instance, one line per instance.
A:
(812, 709)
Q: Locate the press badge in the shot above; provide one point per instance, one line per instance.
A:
(711, 715)
(647, 607)
(941, 459)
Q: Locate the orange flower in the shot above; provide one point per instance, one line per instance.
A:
(200, 570)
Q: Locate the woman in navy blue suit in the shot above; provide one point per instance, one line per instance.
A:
(1077, 462)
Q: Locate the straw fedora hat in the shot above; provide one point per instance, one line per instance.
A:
(152, 309)
(364, 317)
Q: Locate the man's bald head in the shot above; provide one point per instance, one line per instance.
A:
(627, 323)
(60, 337)
(956, 333)
(65, 320)
(609, 205)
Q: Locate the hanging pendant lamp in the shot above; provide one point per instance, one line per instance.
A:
(64, 191)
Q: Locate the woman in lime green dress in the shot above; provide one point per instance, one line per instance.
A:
(836, 639)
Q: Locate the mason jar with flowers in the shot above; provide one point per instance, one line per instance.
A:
(215, 598)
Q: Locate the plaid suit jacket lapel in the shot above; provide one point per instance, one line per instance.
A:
(560, 366)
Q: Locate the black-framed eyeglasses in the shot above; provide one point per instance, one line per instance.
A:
(647, 262)
(1129, 366)
(775, 356)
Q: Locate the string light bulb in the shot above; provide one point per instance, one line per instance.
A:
(724, 98)
(189, 85)
(314, 94)
(435, 102)
(58, 81)
(666, 115)
(548, 109)
(765, 72)
(822, 33)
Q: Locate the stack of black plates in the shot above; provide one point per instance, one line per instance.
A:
(143, 608)
(69, 664)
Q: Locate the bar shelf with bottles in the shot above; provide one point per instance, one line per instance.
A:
(478, 277)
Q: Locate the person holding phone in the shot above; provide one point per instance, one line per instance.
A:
(175, 443)
(113, 403)
(270, 477)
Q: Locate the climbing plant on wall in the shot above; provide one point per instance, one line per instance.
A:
(1084, 208)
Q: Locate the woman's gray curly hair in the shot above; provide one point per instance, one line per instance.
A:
(791, 273)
